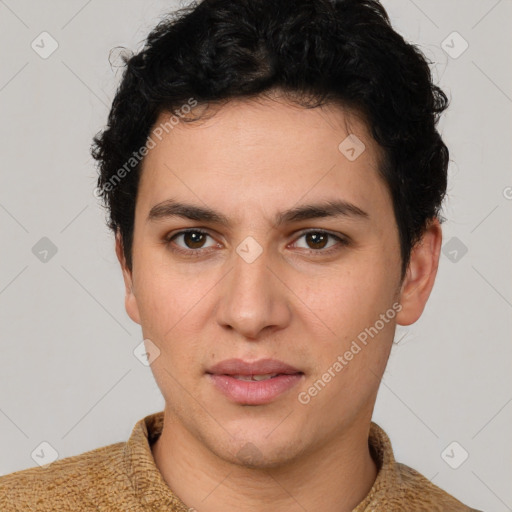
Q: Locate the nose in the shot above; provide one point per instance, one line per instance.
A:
(252, 300)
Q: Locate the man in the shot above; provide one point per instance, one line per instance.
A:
(273, 176)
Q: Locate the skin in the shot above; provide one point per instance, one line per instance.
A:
(295, 302)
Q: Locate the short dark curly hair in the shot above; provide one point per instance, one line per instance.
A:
(315, 52)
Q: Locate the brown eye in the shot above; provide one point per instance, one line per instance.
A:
(192, 239)
(317, 240)
(321, 242)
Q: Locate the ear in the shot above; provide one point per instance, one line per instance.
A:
(421, 274)
(130, 301)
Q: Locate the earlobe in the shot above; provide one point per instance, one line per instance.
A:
(421, 274)
(130, 300)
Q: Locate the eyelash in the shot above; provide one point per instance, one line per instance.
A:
(343, 242)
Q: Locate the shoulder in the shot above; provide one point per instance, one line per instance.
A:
(401, 488)
(420, 494)
(66, 484)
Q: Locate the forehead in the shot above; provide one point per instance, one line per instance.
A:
(263, 150)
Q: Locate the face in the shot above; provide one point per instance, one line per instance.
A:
(261, 248)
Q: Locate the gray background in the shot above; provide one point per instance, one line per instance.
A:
(68, 373)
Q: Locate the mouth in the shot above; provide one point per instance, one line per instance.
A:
(256, 378)
(253, 383)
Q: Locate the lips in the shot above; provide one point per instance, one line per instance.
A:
(253, 383)
(261, 367)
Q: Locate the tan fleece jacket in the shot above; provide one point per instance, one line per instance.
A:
(123, 477)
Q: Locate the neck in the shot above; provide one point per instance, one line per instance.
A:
(335, 478)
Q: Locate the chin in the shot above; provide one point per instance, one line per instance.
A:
(258, 452)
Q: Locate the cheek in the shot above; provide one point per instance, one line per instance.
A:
(158, 304)
(354, 297)
(173, 307)
(164, 294)
(352, 360)
(356, 304)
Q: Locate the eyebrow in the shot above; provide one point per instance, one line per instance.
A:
(334, 208)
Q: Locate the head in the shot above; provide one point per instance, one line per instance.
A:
(297, 144)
